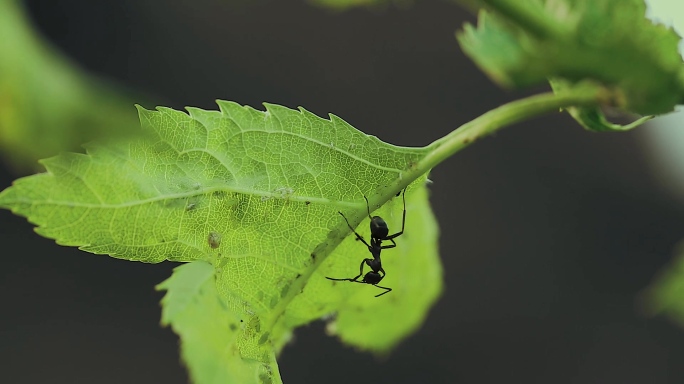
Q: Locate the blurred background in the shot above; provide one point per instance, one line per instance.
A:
(549, 232)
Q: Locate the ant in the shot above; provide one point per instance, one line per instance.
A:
(379, 233)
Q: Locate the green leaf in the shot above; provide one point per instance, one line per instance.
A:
(522, 43)
(256, 195)
(593, 118)
(665, 296)
(48, 104)
(343, 5)
(208, 331)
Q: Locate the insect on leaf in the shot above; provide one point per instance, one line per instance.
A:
(252, 198)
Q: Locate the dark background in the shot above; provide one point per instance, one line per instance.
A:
(548, 231)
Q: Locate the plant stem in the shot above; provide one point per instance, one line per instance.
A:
(503, 116)
(440, 150)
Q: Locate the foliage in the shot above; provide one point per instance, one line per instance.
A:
(665, 296)
(48, 104)
(256, 195)
(343, 5)
(251, 200)
(611, 42)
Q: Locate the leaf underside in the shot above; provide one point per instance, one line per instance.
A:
(253, 197)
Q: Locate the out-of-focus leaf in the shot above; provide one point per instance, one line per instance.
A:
(48, 104)
(593, 119)
(342, 5)
(522, 43)
(665, 296)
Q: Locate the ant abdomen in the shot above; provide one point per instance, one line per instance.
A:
(372, 278)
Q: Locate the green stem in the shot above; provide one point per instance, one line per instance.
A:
(440, 150)
(503, 116)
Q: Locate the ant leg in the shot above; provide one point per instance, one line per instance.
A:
(367, 207)
(378, 295)
(386, 290)
(389, 246)
(358, 237)
(403, 221)
(354, 279)
(347, 279)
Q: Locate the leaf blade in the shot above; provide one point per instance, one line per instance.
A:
(254, 194)
(208, 332)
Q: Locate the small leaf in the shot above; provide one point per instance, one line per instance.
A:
(208, 330)
(609, 41)
(257, 195)
(665, 295)
(592, 118)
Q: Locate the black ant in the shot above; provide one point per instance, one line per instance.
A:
(379, 233)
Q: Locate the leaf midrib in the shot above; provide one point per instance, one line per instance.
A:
(198, 192)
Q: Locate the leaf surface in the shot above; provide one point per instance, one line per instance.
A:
(208, 331)
(256, 196)
(522, 43)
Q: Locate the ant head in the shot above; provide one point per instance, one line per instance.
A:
(378, 227)
(372, 278)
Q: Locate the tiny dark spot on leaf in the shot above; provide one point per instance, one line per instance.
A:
(313, 256)
(232, 326)
(307, 202)
(466, 140)
(298, 276)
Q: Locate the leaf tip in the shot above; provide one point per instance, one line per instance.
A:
(225, 106)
